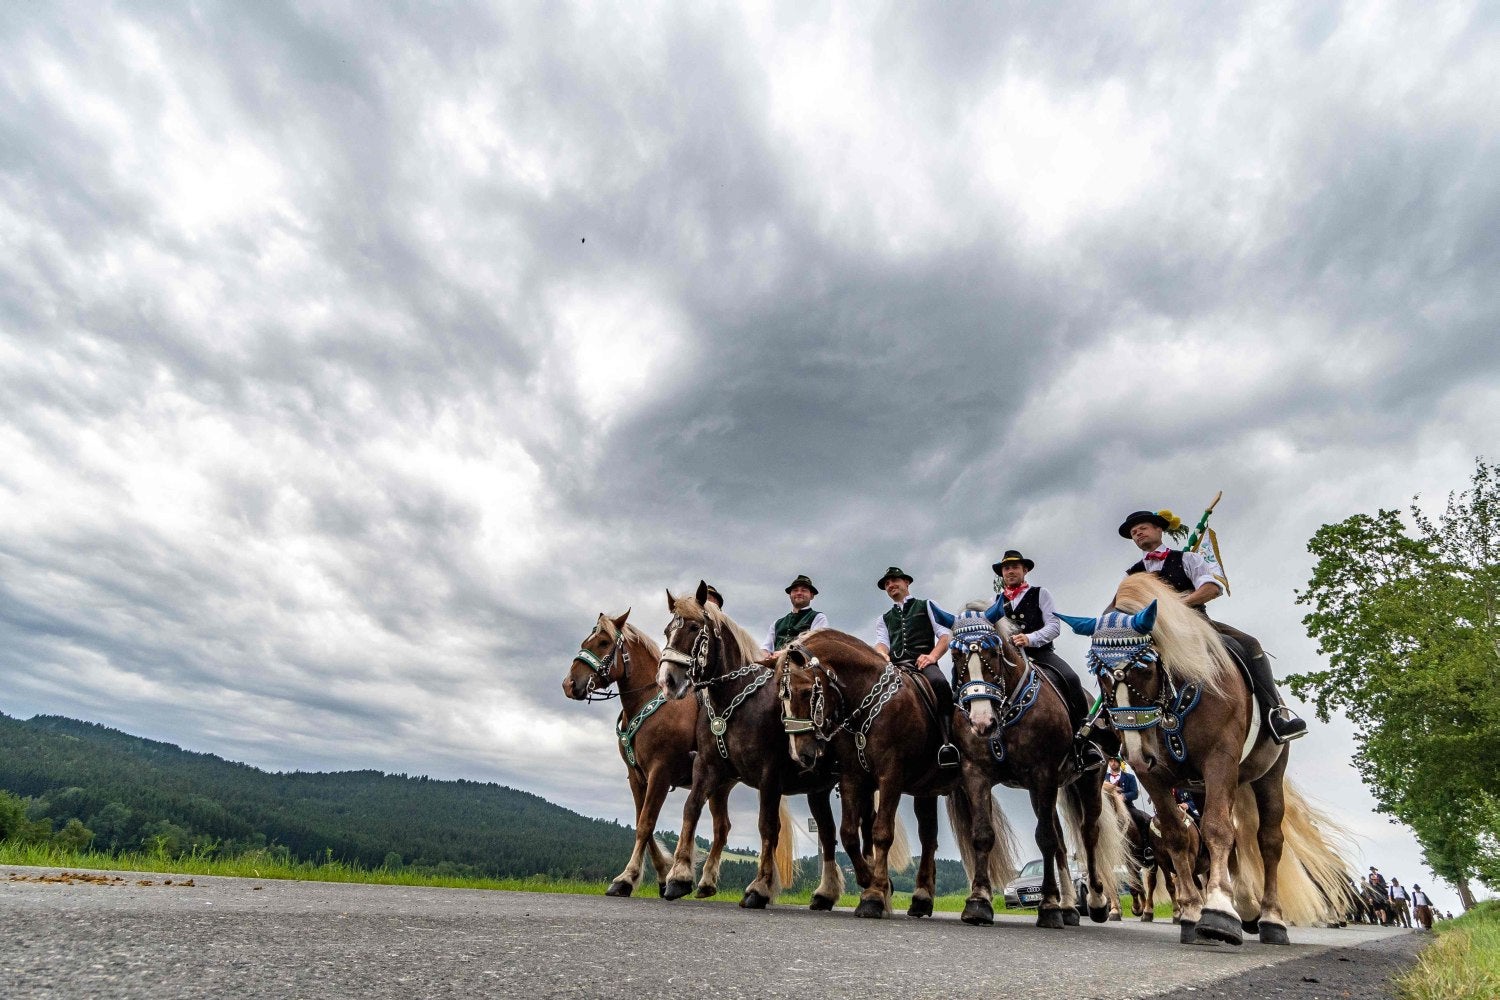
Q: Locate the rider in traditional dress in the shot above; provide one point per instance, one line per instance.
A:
(1190, 575)
(802, 617)
(1031, 611)
(909, 634)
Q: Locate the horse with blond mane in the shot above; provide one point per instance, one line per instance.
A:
(656, 740)
(1186, 717)
(740, 739)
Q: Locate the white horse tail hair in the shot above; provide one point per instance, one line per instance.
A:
(1111, 848)
(784, 861)
(1002, 864)
(1314, 877)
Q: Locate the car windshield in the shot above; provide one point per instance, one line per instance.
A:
(1033, 869)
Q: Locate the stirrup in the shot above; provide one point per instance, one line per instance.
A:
(1087, 754)
(1285, 726)
(948, 755)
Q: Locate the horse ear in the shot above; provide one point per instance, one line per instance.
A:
(620, 621)
(1082, 626)
(702, 594)
(671, 602)
(942, 617)
(996, 611)
(1144, 620)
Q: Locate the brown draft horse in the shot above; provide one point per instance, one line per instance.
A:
(1017, 731)
(656, 740)
(740, 739)
(1145, 878)
(1186, 718)
(840, 699)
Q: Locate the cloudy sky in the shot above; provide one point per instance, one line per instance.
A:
(354, 356)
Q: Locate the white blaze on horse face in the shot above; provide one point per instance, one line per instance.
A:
(981, 711)
(1132, 738)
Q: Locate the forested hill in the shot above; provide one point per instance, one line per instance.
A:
(134, 793)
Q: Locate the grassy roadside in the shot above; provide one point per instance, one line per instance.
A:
(256, 865)
(1463, 963)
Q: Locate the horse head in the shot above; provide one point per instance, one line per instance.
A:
(601, 659)
(811, 704)
(1121, 646)
(698, 651)
(980, 654)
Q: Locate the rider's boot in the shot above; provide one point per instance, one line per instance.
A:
(1086, 752)
(942, 695)
(1284, 724)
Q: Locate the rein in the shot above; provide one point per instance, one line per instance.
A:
(695, 662)
(1168, 711)
(1010, 707)
(824, 725)
(600, 669)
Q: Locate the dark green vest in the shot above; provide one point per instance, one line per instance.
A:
(792, 625)
(910, 630)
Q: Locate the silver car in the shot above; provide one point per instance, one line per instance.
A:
(1025, 890)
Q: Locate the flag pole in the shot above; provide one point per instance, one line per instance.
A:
(1197, 536)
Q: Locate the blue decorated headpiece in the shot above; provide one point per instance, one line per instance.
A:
(972, 628)
(1120, 643)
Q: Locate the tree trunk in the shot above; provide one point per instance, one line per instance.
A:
(1465, 896)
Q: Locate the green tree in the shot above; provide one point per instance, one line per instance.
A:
(12, 816)
(1409, 621)
(74, 836)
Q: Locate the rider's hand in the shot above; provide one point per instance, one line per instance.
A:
(926, 660)
(1019, 639)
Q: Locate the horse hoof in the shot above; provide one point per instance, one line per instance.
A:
(821, 903)
(677, 888)
(706, 891)
(754, 900)
(1273, 933)
(619, 887)
(978, 912)
(1250, 926)
(1114, 916)
(872, 908)
(1070, 917)
(1050, 918)
(1148, 917)
(919, 908)
(1216, 925)
(1188, 929)
(1098, 914)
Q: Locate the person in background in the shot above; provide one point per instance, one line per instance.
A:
(1400, 910)
(1422, 908)
(1130, 790)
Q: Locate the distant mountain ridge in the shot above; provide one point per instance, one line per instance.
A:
(135, 793)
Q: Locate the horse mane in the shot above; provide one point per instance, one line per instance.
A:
(632, 634)
(1191, 650)
(689, 609)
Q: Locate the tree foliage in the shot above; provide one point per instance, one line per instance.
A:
(1409, 620)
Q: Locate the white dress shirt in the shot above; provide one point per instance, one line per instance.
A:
(1051, 624)
(1192, 564)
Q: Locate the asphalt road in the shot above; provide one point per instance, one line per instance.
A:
(248, 938)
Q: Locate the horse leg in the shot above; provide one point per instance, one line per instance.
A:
(926, 887)
(625, 882)
(831, 885)
(705, 779)
(875, 901)
(1148, 913)
(1270, 803)
(1044, 804)
(647, 809)
(760, 892)
(1218, 920)
(718, 808)
(1067, 893)
(969, 815)
(856, 798)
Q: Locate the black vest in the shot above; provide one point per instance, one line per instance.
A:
(791, 625)
(1026, 616)
(1172, 573)
(910, 630)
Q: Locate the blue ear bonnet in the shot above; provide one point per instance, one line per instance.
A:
(972, 631)
(1119, 645)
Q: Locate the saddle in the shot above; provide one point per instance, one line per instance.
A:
(1241, 659)
(925, 694)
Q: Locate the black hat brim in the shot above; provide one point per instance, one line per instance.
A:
(1024, 562)
(1147, 516)
(892, 576)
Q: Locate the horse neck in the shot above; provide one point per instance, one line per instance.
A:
(639, 683)
(1010, 671)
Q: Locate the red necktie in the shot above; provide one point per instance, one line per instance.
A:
(1160, 555)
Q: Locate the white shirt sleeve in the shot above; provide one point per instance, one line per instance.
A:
(1051, 624)
(939, 633)
(1197, 570)
(820, 620)
(882, 634)
(769, 646)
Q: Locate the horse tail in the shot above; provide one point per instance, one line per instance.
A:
(1002, 855)
(898, 858)
(784, 861)
(1111, 847)
(1313, 878)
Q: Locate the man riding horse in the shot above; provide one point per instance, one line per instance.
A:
(1190, 575)
(1032, 612)
(908, 634)
(802, 618)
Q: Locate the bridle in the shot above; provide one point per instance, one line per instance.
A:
(695, 663)
(824, 721)
(600, 667)
(973, 636)
(1125, 661)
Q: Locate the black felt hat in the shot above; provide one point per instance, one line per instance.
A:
(1147, 516)
(714, 593)
(802, 581)
(894, 573)
(1012, 555)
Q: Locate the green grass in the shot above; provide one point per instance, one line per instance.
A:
(1463, 963)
